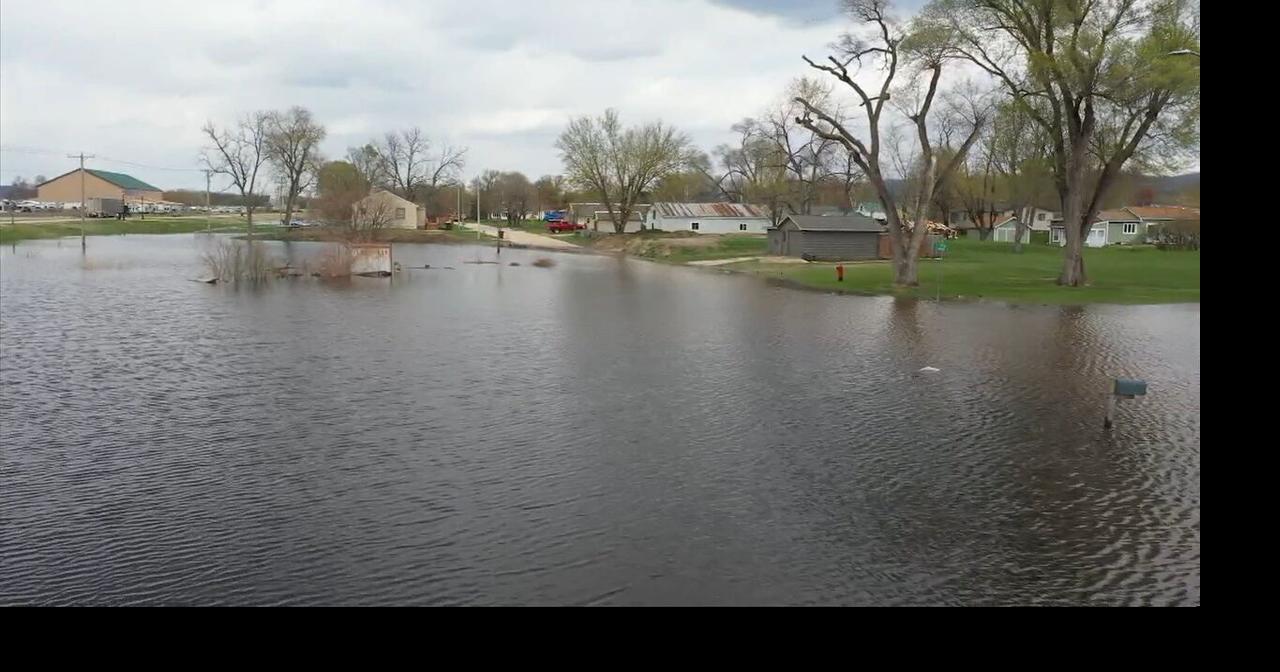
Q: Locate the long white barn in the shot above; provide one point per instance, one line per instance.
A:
(708, 218)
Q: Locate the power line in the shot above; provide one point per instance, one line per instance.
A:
(148, 166)
(27, 149)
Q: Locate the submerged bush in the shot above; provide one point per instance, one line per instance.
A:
(230, 260)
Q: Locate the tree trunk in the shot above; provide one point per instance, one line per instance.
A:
(1074, 219)
(620, 220)
(1073, 262)
(984, 234)
(1019, 230)
(907, 270)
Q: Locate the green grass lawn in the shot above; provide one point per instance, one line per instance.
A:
(986, 270)
(10, 233)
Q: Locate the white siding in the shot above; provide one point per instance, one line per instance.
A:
(1040, 219)
(1097, 236)
(604, 224)
(711, 224)
(1005, 234)
(406, 219)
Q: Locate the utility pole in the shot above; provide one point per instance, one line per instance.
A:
(82, 156)
(208, 223)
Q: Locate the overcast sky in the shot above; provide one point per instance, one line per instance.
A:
(133, 81)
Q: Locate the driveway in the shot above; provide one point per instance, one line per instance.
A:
(518, 237)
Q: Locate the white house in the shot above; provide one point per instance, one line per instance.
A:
(403, 213)
(709, 218)
(1040, 219)
(1110, 227)
(872, 209)
(1036, 218)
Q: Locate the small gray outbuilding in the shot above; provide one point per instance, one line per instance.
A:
(845, 238)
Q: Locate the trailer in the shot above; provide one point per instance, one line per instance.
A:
(103, 207)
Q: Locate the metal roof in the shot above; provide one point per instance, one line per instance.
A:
(119, 179)
(858, 223)
(1164, 212)
(122, 180)
(738, 210)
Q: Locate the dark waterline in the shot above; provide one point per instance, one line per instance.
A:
(602, 432)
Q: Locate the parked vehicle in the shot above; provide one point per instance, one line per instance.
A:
(562, 226)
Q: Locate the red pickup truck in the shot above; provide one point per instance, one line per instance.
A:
(563, 226)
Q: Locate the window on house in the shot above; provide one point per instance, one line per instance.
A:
(742, 226)
(694, 226)
(399, 213)
(1040, 216)
(1130, 228)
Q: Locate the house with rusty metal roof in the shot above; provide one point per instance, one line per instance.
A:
(709, 218)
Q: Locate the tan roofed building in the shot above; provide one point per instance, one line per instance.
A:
(65, 188)
(400, 213)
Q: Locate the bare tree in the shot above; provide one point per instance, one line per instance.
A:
(405, 164)
(974, 186)
(779, 163)
(404, 160)
(1019, 151)
(620, 165)
(369, 217)
(1103, 79)
(486, 186)
(808, 157)
(238, 153)
(755, 168)
(448, 165)
(888, 46)
(367, 163)
(515, 194)
(550, 191)
(292, 146)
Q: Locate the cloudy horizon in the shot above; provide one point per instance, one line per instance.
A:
(134, 87)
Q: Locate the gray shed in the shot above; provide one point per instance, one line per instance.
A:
(826, 238)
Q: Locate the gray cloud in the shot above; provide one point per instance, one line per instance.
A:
(502, 78)
(794, 10)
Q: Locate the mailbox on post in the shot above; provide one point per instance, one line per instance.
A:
(1123, 388)
(1130, 388)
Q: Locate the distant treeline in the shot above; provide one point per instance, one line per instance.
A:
(192, 197)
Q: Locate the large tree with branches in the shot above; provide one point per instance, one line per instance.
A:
(1106, 80)
(238, 153)
(407, 166)
(618, 164)
(921, 54)
(292, 145)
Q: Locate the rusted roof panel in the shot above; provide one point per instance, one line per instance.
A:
(742, 210)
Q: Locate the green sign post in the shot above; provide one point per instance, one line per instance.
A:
(938, 248)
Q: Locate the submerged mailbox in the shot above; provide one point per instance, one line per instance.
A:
(1129, 387)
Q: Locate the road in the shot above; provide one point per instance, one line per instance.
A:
(518, 237)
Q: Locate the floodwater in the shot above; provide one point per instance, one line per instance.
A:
(606, 431)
